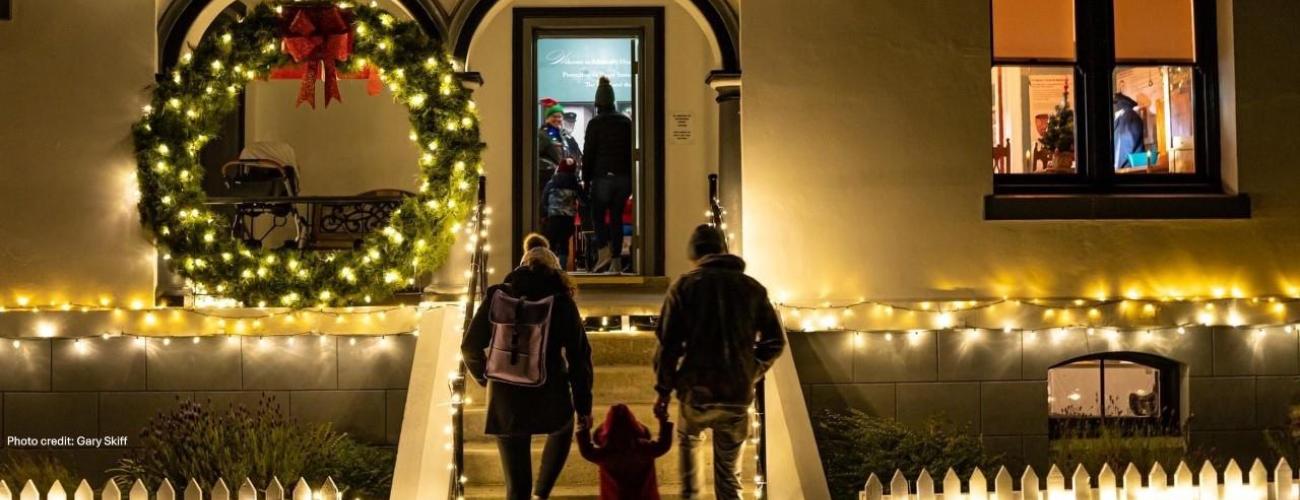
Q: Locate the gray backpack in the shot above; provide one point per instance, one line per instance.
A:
(520, 328)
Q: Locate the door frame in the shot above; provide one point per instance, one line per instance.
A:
(650, 202)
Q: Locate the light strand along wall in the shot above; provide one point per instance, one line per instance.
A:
(110, 387)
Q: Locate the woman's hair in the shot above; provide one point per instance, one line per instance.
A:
(534, 240)
(541, 257)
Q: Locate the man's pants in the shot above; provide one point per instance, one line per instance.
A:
(730, 426)
(559, 230)
(517, 463)
(609, 196)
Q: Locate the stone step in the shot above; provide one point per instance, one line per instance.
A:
(622, 348)
(619, 348)
(475, 419)
(483, 468)
(628, 384)
(597, 296)
(576, 493)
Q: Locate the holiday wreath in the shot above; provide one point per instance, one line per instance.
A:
(186, 112)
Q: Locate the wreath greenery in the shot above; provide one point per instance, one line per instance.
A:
(187, 109)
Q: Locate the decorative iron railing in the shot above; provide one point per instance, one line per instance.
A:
(717, 218)
(477, 235)
(308, 222)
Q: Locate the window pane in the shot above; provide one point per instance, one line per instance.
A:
(1033, 120)
(1154, 127)
(1132, 390)
(1151, 30)
(1074, 390)
(1033, 29)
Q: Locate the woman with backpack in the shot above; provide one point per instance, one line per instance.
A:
(527, 344)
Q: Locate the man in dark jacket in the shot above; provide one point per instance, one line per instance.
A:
(1129, 131)
(718, 334)
(607, 169)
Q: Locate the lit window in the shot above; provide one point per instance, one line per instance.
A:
(1099, 99)
(1117, 390)
(1033, 120)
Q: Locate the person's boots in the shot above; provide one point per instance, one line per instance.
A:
(616, 265)
(602, 260)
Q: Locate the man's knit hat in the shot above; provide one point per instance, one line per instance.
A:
(604, 94)
(706, 240)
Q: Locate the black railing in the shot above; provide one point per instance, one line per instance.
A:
(717, 218)
(477, 231)
(313, 222)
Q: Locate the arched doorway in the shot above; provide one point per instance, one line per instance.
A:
(718, 15)
(701, 85)
(179, 21)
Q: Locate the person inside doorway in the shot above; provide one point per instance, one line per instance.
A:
(560, 198)
(607, 170)
(556, 147)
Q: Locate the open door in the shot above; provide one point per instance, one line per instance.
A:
(560, 56)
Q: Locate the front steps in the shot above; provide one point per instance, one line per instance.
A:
(623, 374)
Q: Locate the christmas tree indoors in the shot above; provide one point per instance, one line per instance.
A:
(1059, 135)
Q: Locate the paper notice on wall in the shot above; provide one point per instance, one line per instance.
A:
(1045, 92)
(682, 127)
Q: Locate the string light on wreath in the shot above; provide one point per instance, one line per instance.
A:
(188, 108)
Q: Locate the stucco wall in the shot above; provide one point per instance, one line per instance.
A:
(865, 142)
(350, 147)
(74, 85)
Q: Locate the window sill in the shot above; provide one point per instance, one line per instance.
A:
(1116, 206)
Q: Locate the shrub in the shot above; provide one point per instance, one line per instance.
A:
(193, 441)
(1286, 442)
(41, 468)
(1118, 446)
(854, 445)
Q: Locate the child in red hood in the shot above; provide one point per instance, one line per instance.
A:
(626, 455)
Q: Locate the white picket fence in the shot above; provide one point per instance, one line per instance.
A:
(1207, 484)
(138, 491)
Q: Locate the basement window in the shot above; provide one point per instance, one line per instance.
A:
(1115, 393)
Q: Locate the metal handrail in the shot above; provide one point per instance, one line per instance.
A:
(473, 294)
(717, 219)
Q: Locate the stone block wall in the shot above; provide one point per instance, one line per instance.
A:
(98, 387)
(1236, 382)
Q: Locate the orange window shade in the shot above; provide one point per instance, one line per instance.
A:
(1154, 30)
(1033, 29)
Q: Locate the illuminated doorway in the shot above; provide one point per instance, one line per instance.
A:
(561, 136)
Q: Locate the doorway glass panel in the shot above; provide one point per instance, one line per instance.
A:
(568, 71)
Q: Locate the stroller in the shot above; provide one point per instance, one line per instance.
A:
(263, 172)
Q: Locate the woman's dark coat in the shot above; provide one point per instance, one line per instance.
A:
(518, 410)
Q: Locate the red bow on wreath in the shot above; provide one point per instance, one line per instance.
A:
(318, 36)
